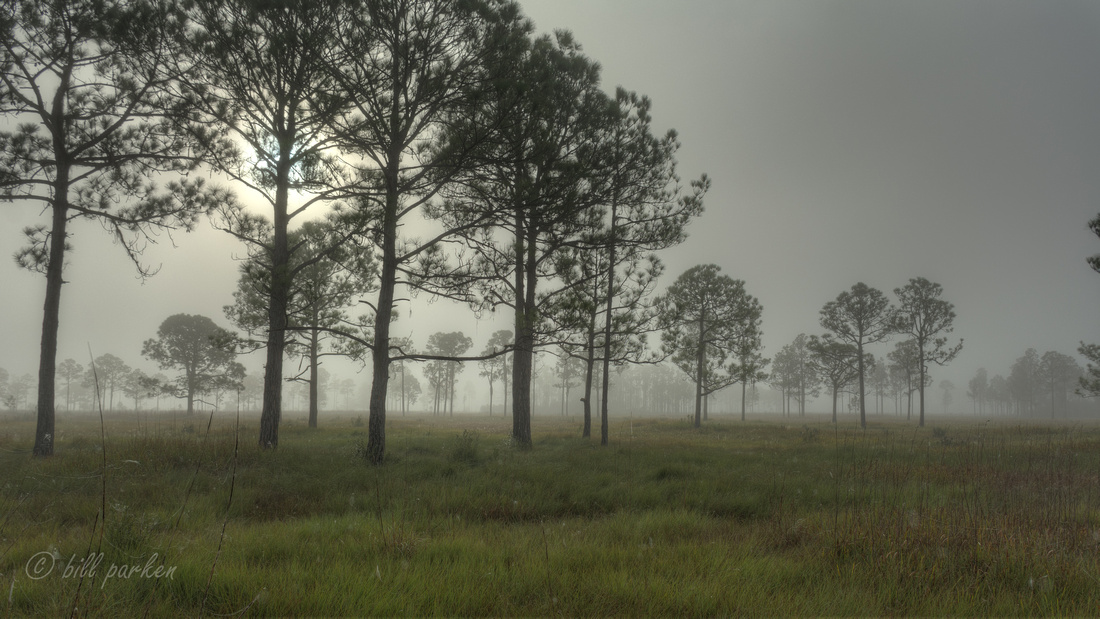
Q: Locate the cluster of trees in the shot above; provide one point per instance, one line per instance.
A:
(712, 332)
(1035, 384)
(15, 391)
(429, 146)
(1041, 383)
(364, 116)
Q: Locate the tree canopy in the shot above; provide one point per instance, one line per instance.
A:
(926, 318)
(860, 316)
(88, 90)
(203, 352)
(706, 316)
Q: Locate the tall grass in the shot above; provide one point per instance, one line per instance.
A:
(761, 518)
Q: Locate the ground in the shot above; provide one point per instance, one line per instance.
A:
(768, 517)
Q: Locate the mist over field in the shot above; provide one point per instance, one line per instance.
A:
(549, 307)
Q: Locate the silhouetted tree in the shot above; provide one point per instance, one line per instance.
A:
(496, 367)
(947, 387)
(747, 366)
(1090, 381)
(646, 213)
(977, 389)
(795, 373)
(880, 382)
(329, 275)
(89, 123)
(704, 316)
(859, 316)
(1058, 373)
(106, 373)
(69, 370)
(265, 76)
(203, 352)
(1024, 381)
(413, 70)
(533, 194)
(1000, 393)
(454, 344)
(926, 318)
(904, 361)
(835, 362)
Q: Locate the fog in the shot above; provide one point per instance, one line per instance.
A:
(847, 141)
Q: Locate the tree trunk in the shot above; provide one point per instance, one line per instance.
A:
(47, 367)
(314, 378)
(699, 364)
(380, 355)
(608, 307)
(589, 375)
(490, 395)
(743, 389)
(523, 357)
(862, 400)
(277, 308)
(835, 390)
(922, 370)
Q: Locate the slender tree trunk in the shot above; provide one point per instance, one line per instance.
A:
(699, 364)
(314, 378)
(47, 367)
(862, 391)
(504, 379)
(609, 304)
(380, 355)
(523, 357)
(743, 389)
(277, 308)
(835, 390)
(921, 371)
(589, 376)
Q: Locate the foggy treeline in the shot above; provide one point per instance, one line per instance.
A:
(369, 151)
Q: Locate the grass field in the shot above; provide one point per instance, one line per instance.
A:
(760, 518)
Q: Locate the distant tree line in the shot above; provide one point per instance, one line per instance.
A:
(403, 147)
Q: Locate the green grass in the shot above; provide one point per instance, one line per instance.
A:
(760, 518)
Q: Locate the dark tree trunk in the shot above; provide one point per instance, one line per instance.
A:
(451, 387)
(523, 357)
(699, 364)
(277, 309)
(314, 378)
(504, 379)
(491, 396)
(589, 374)
(743, 389)
(920, 373)
(47, 367)
(862, 400)
(609, 305)
(376, 424)
(835, 390)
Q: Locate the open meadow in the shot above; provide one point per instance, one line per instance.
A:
(768, 517)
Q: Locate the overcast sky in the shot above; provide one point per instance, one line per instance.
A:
(847, 141)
